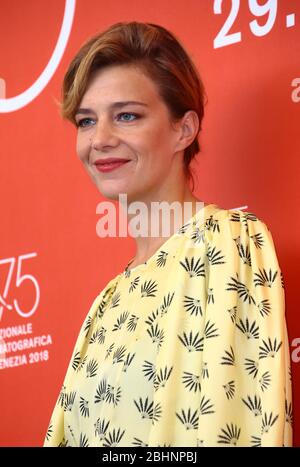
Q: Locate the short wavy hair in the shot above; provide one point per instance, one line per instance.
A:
(161, 56)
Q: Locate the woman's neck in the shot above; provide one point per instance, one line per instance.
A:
(165, 224)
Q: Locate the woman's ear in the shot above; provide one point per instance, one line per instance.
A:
(189, 126)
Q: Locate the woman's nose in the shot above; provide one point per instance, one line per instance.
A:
(104, 136)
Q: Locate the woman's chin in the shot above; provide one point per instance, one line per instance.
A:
(111, 191)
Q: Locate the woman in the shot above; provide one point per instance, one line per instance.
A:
(188, 346)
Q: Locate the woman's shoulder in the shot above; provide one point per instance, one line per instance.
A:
(243, 233)
(218, 219)
(238, 229)
(237, 214)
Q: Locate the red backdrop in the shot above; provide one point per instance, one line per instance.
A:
(52, 264)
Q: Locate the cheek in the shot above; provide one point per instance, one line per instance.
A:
(157, 140)
(82, 148)
(159, 146)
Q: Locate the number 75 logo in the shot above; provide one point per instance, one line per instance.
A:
(20, 278)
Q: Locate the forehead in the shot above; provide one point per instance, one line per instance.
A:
(120, 82)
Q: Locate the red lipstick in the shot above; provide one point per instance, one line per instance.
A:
(109, 164)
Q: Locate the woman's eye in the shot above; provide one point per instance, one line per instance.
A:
(127, 116)
(124, 117)
(84, 122)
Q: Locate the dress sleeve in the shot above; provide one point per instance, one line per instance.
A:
(273, 353)
(260, 283)
(56, 436)
(250, 353)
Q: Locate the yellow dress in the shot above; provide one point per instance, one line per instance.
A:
(189, 348)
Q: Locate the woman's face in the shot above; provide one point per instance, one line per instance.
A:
(121, 115)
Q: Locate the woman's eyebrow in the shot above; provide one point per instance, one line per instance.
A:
(115, 105)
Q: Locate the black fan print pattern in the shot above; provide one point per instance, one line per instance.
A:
(253, 404)
(128, 361)
(91, 368)
(187, 349)
(189, 419)
(193, 267)
(229, 435)
(113, 438)
(241, 289)
(84, 407)
(205, 407)
(161, 377)
(244, 252)
(228, 358)
(101, 427)
(192, 305)
(265, 380)
(192, 382)
(147, 409)
(101, 391)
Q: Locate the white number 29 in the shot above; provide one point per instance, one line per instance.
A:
(223, 38)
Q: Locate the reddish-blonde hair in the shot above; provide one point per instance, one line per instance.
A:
(161, 56)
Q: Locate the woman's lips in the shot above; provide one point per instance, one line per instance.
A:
(109, 166)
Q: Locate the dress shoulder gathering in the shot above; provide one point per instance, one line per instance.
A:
(189, 348)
